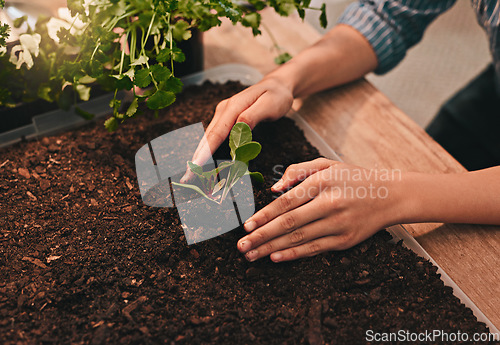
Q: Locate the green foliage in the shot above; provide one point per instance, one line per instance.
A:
(282, 58)
(4, 31)
(243, 150)
(123, 45)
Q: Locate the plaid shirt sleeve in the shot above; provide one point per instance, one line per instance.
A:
(392, 27)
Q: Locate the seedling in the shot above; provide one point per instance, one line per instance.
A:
(243, 150)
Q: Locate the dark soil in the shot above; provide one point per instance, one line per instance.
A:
(84, 261)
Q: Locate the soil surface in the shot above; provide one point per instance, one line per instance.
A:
(84, 261)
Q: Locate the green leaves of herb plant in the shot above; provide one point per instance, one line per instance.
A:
(160, 99)
(125, 45)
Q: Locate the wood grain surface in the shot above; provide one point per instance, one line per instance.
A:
(366, 129)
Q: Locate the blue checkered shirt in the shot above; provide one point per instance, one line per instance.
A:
(392, 27)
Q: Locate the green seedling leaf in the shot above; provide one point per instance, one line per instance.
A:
(257, 176)
(219, 186)
(240, 135)
(194, 188)
(247, 152)
(238, 169)
(196, 169)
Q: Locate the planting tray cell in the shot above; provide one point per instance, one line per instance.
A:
(58, 120)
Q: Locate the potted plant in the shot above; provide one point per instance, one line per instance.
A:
(131, 45)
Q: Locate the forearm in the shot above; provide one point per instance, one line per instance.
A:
(341, 56)
(472, 197)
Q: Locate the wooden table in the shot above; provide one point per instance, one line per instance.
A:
(366, 129)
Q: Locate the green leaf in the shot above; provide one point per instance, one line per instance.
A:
(219, 186)
(124, 83)
(160, 73)
(178, 55)
(238, 169)
(181, 31)
(251, 20)
(142, 78)
(322, 18)
(44, 93)
(282, 58)
(240, 135)
(76, 7)
(173, 84)
(164, 55)
(111, 124)
(20, 21)
(160, 100)
(257, 176)
(132, 109)
(83, 92)
(195, 169)
(85, 114)
(247, 152)
(194, 188)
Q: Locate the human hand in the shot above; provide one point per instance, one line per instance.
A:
(269, 99)
(334, 207)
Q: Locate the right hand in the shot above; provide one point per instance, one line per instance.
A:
(269, 99)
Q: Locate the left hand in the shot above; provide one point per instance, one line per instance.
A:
(334, 207)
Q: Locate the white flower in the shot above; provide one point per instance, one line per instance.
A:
(3, 50)
(29, 44)
(66, 21)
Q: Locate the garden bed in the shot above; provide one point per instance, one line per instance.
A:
(85, 261)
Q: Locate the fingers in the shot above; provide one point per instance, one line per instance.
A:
(287, 223)
(290, 200)
(298, 172)
(311, 239)
(294, 244)
(267, 106)
(311, 248)
(226, 115)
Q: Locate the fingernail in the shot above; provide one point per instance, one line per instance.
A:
(250, 225)
(252, 255)
(276, 257)
(245, 246)
(277, 185)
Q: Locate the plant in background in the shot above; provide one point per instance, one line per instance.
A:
(121, 45)
(243, 150)
(4, 31)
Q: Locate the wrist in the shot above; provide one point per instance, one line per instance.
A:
(286, 76)
(425, 197)
(408, 198)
